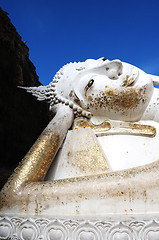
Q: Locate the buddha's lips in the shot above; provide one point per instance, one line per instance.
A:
(130, 79)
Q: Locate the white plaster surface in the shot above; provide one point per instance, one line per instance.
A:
(108, 228)
(121, 151)
(80, 156)
(128, 151)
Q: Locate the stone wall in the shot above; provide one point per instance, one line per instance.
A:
(22, 117)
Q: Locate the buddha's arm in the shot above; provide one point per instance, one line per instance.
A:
(35, 164)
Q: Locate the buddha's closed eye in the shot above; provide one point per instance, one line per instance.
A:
(90, 83)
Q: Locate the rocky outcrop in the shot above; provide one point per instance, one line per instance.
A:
(22, 117)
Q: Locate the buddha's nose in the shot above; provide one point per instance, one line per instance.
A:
(114, 69)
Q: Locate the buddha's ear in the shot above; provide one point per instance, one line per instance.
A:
(78, 94)
(79, 86)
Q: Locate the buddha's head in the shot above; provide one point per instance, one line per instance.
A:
(100, 88)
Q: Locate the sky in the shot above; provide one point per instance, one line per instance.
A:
(59, 32)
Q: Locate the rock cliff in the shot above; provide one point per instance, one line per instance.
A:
(22, 117)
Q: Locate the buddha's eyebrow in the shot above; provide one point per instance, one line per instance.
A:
(81, 68)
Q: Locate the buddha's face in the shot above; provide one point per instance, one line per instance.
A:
(114, 90)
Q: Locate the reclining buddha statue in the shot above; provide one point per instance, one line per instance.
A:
(96, 159)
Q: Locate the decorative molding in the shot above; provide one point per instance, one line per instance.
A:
(112, 228)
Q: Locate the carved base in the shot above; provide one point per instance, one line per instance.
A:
(110, 228)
